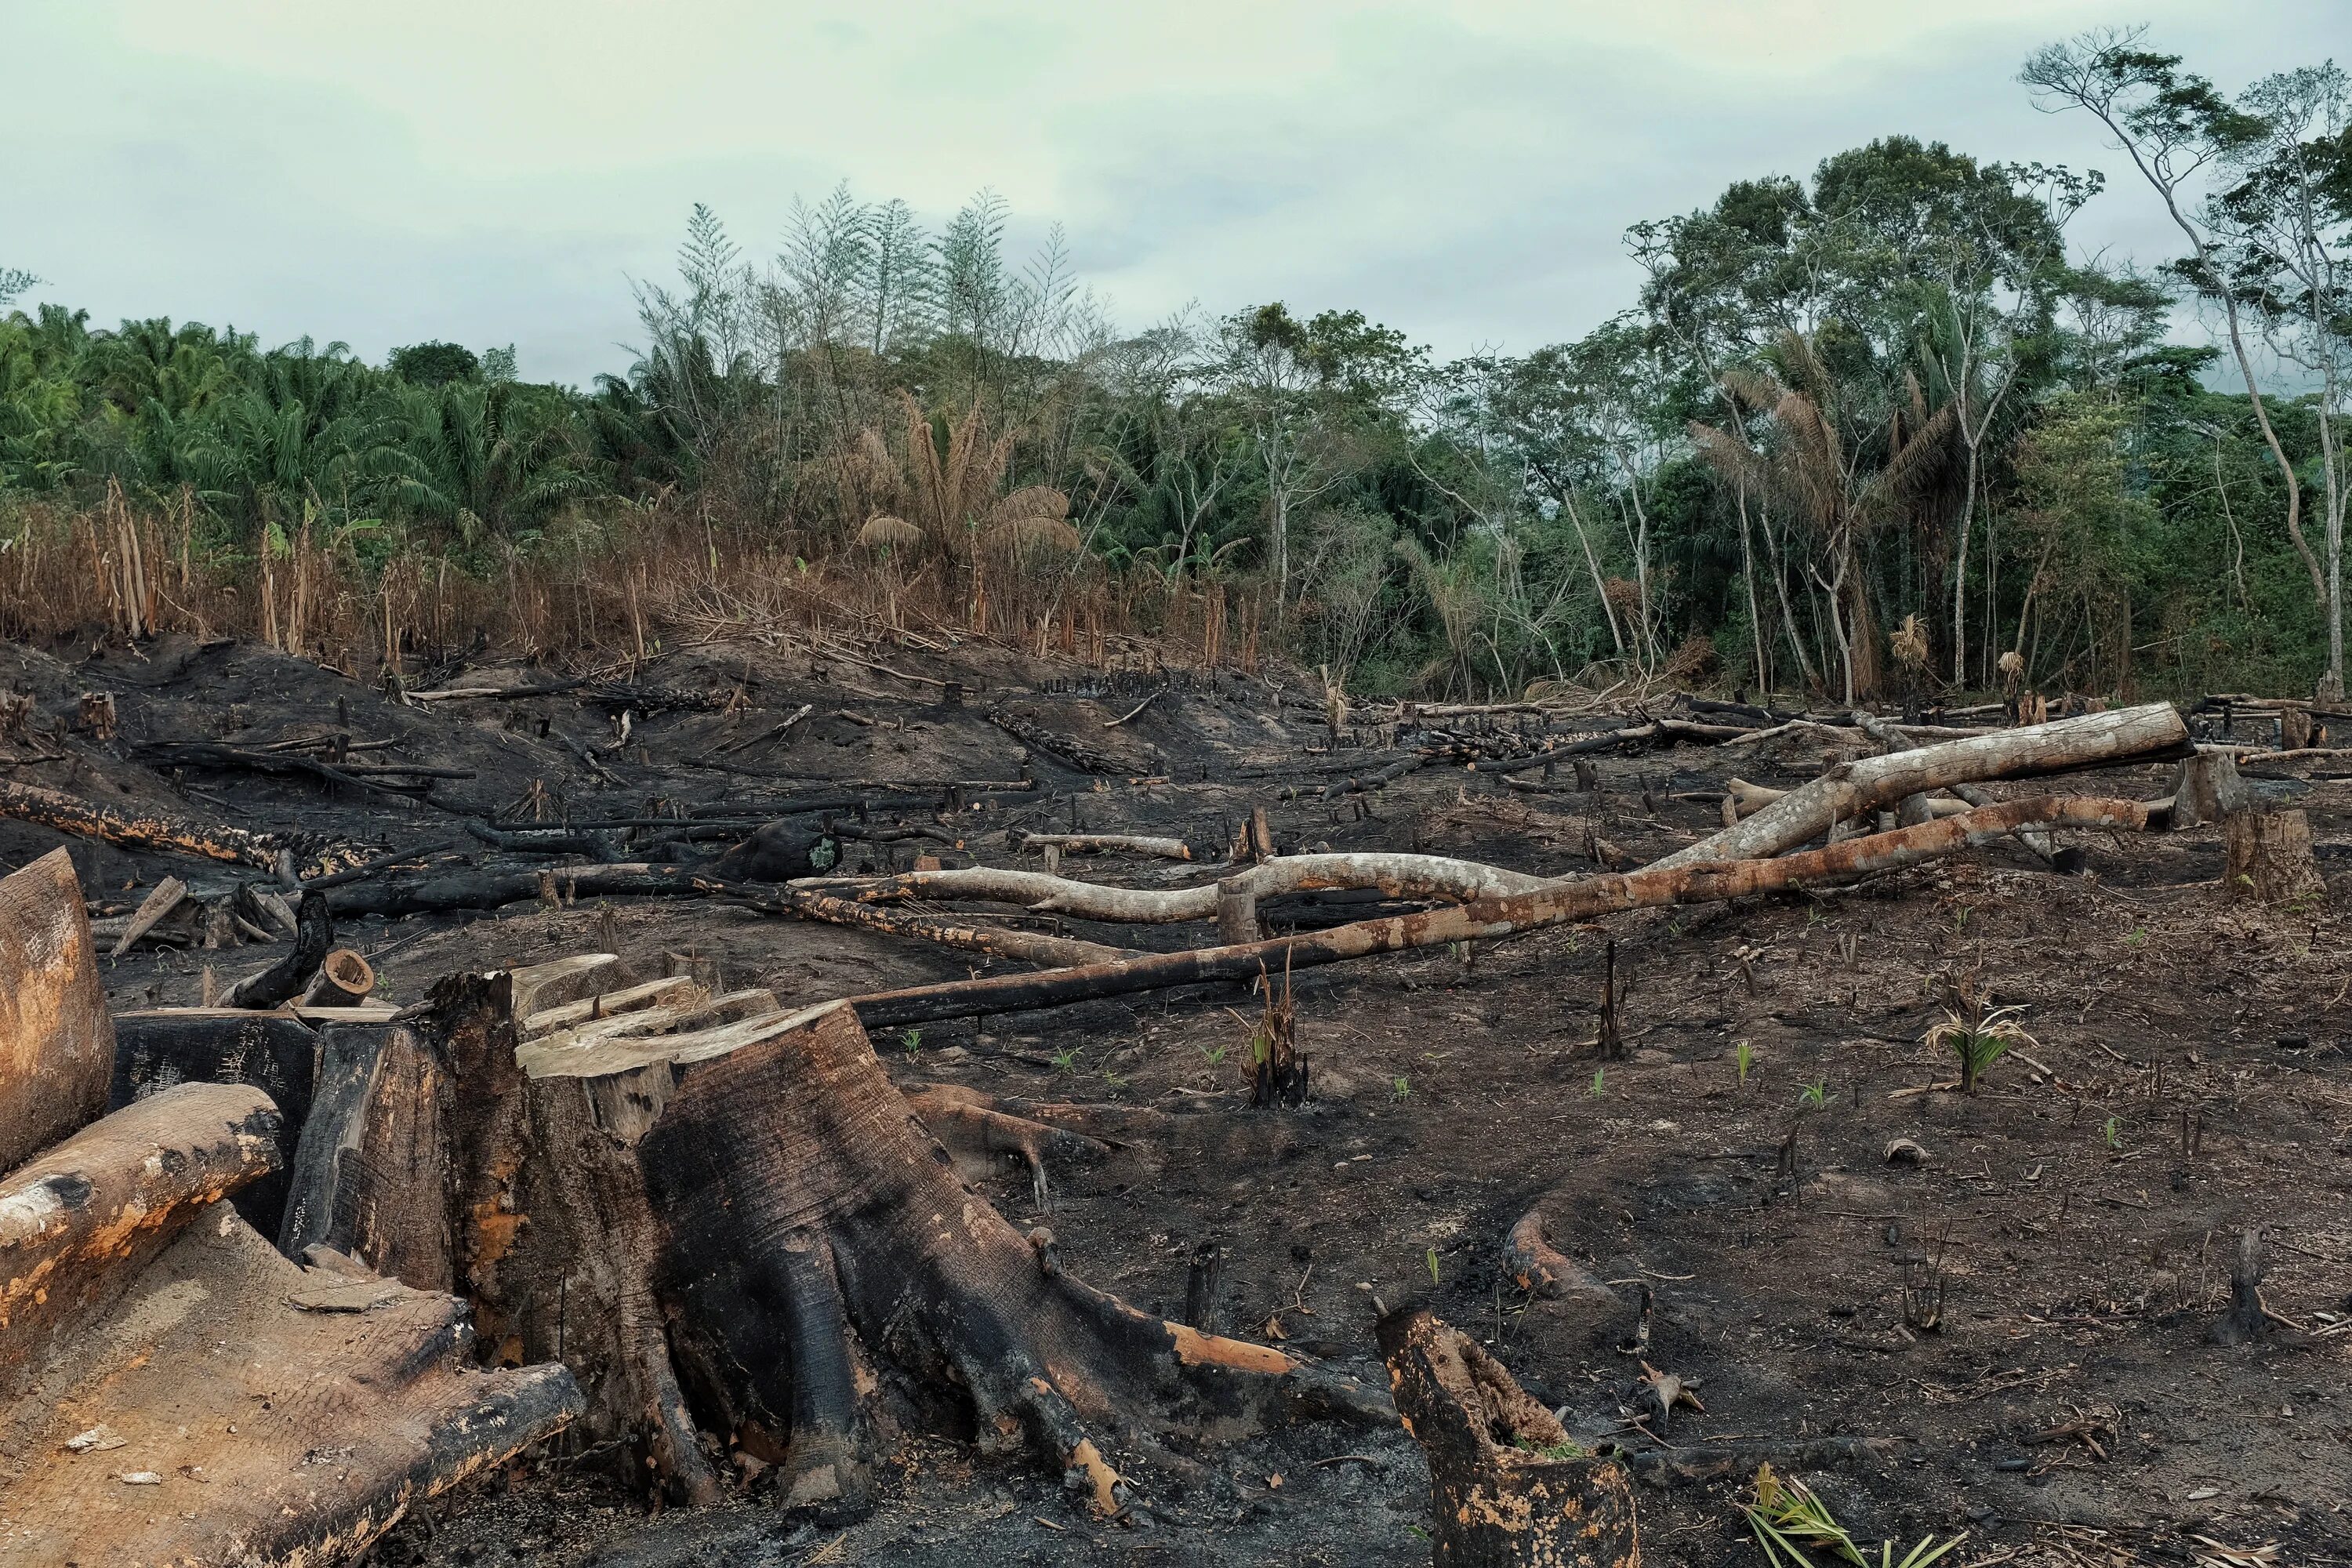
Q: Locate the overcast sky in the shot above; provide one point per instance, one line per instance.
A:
(496, 170)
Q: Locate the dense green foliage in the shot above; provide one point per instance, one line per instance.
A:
(1879, 430)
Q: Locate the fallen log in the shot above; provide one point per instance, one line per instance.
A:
(2147, 734)
(165, 833)
(1666, 731)
(1486, 919)
(763, 1219)
(1897, 740)
(1068, 749)
(1507, 1487)
(217, 758)
(274, 1052)
(169, 1384)
(286, 979)
(1092, 843)
(1030, 947)
(1395, 875)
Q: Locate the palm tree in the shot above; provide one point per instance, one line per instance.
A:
(486, 460)
(1816, 468)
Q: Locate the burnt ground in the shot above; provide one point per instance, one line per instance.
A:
(2068, 1406)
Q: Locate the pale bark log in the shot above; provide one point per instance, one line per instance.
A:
(2151, 733)
(1483, 920)
(1398, 876)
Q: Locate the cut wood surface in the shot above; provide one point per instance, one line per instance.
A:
(1550, 904)
(274, 1052)
(57, 1039)
(2150, 733)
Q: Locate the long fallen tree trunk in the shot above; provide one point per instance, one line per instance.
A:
(1397, 876)
(2148, 734)
(1550, 904)
(167, 833)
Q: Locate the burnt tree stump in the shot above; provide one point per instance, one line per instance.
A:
(2269, 857)
(1507, 1487)
(739, 1226)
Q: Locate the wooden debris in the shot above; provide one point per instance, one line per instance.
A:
(2268, 857)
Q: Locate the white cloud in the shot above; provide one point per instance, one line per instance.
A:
(491, 171)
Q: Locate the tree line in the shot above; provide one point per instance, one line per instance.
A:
(1883, 430)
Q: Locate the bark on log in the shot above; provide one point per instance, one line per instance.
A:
(2268, 857)
(276, 1053)
(1507, 1487)
(1030, 947)
(1395, 875)
(1486, 919)
(1894, 738)
(57, 1041)
(285, 980)
(149, 1338)
(1539, 1269)
(2152, 733)
(1089, 843)
(756, 1234)
(1662, 732)
(165, 833)
(1237, 912)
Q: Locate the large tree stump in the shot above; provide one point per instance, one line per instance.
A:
(171, 1389)
(2206, 788)
(2269, 857)
(1507, 1487)
(740, 1226)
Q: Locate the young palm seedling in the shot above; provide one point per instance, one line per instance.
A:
(1787, 1513)
(1979, 1045)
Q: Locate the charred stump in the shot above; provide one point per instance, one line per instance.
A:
(1507, 1487)
(737, 1232)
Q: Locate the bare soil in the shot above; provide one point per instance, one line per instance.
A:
(2068, 1230)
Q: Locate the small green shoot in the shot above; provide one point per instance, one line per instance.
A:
(2137, 939)
(1114, 1080)
(2114, 1130)
(1959, 920)
(1431, 1258)
(1743, 1057)
(1214, 1054)
(1065, 1060)
(912, 1039)
(1814, 1096)
(1786, 1512)
(1599, 1082)
(1401, 1089)
(1979, 1045)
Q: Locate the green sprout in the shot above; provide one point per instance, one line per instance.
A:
(1979, 1045)
(1401, 1089)
(1787, 1512)
(1064, 1060)
(912, 1039)
(1599, 1082)
(1815, 1095)
(1743, 1058)
(1431, 1257)
(1214, 1054)
(2114, 1130)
